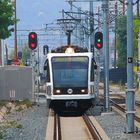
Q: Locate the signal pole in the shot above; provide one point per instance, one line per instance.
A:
(130, 93)
(106, 54)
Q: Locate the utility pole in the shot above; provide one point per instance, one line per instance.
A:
(15, 30)
(6, 50)
(106, 54)
(115, 43)
(123, 7)
(99, 20)
(91, 28)
(0, 53)
(139, 60)
(138, 9)
(130, 93)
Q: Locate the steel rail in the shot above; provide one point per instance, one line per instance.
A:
(95, 134)
(123, 109)
(136, 102)
(57, 128)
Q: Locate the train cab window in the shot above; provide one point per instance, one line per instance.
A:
(47, 71)
(70, 71)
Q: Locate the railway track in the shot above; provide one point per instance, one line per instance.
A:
(57, 128)
(118, 101)
(122, 108)
(75, 128)
(95, 134)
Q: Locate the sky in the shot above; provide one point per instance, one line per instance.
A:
(35, 14)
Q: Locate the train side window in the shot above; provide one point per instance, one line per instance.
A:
(92, 71)
(47, 70)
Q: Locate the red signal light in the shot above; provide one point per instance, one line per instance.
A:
(98, 45)
(33, 45)
(32, 40)
(32, 36)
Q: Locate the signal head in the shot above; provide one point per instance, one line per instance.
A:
(98, 40)
(32, 39)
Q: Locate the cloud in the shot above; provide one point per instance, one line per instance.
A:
(40, 13)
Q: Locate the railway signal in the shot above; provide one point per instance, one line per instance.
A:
(45, 49)
(98, 40)
(32, 40)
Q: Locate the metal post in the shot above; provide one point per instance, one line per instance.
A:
(130, 94)
(68, 37)
(6, 50)
(139, 60)
(116, 13)
(123, 7)
(91, 28)
(79, 28)
(138, 9)
(0, 53)
(38, 72)
(33, 75)
(106, 54)
(15, 31)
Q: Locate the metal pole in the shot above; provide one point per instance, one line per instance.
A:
(6, 50)
(138, 9)
(130, 94)
(38, 72)
(0, 53)
(33, 75)
(115, 49)
(123, 7)
(91, 28)
(139, 61)
(79, 28)
(15, 31)
(106, 54)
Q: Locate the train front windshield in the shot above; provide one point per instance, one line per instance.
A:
(70, 71)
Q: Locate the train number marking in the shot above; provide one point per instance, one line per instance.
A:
(71, 104)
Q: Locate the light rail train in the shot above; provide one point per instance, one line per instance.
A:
(70, 79)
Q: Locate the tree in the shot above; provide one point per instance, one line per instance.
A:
(6, 18)
(26, 54)
(136, 32)
(6, 21)
(122, 41)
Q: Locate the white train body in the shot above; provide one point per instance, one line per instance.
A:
(70, 80)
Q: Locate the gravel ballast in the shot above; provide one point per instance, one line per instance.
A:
(30, 124)
(114, 125)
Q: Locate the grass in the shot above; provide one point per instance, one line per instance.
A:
(19, 109)
(3, 103)
(13, 123)
(6, 125)
(26, 102)
(1, 135)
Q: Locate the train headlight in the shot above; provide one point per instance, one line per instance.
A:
(69, 50)
(58, 91)
(83, 90)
